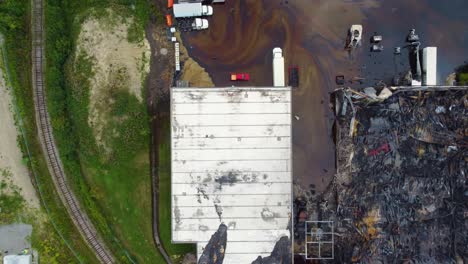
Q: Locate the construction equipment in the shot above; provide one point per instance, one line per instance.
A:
(355, 36)
(415, 63)
(412, 36)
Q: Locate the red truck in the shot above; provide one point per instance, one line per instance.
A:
(240, 77)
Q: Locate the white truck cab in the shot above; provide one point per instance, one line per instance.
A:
(200, 24)
(207, 10)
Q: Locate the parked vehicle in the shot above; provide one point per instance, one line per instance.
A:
(240, 76)
(192, 10)
(190, 24)
(200, 24)
(293, 73)
(377, 48)
(376, 38)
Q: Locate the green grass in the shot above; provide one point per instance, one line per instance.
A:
(44, 239)
(165, 195)
(11, 201)
(462, 74)
(115, 188)
(115, 191)
(463, 78)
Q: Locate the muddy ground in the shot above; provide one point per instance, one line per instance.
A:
(312, 34)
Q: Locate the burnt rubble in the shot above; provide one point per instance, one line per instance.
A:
(214, 250)
(400, 192)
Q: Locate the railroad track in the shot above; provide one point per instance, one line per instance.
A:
(49, 148)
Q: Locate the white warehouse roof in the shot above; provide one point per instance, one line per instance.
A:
(231, 163)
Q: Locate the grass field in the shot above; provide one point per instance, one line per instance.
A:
(44, 239)
(117, 188)
(115, 191)
(114, 183)
(114, 188)
(165, 195)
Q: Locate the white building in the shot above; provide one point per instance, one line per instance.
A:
(231, 164)
(17, 259)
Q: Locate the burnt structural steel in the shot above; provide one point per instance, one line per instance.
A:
(49, 148)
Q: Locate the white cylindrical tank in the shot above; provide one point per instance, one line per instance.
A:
(430, 66)
(278, 68)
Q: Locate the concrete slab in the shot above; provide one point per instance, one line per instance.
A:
(15, 237)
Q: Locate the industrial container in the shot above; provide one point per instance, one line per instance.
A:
(192, 10)
(278, 68)
(430, 66)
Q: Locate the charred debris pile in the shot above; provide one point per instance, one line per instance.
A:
(400, 193)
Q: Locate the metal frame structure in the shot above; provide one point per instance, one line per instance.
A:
(318, 238)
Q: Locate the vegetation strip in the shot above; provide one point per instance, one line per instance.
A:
(110, 174)
(79, 217)
(28, 152)
(15, 24)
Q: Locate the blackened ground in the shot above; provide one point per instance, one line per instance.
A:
(312, 34)
(158, 84)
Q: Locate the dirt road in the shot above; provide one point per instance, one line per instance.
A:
(10, 154)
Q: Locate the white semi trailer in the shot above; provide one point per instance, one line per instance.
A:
(429, 69)
(278, 68)
(192, 10)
